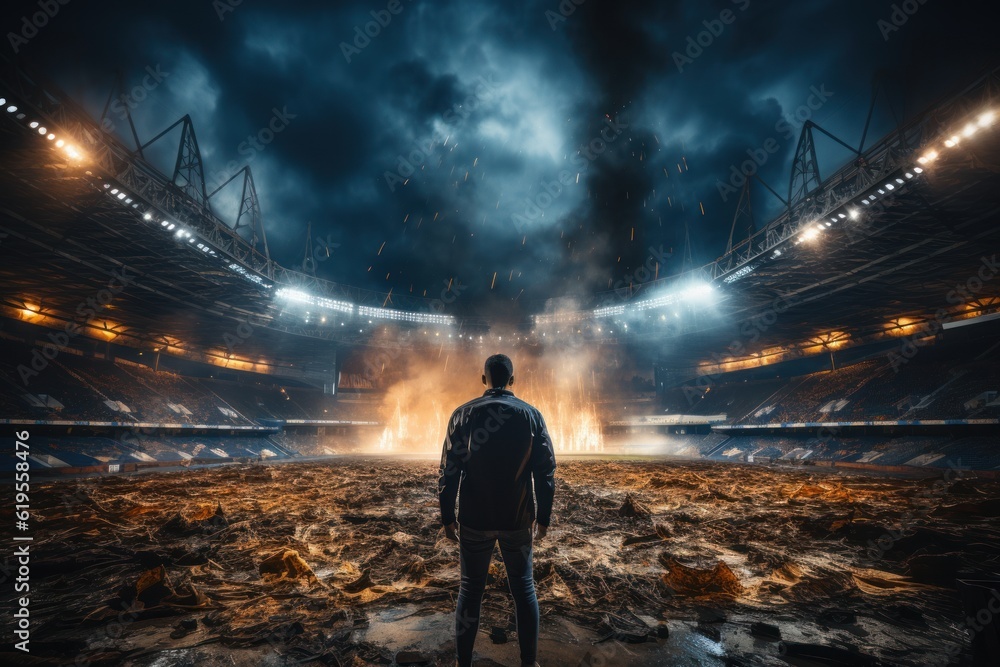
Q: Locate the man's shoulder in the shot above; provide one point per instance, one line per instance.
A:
(485, 402)
(468, 405)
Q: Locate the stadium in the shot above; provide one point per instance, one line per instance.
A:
(785, 455)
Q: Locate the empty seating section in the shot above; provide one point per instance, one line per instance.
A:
(71, 387)
(964, 453)
(932, 385)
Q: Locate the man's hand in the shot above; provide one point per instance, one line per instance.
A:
(540, 532)
(451, 532)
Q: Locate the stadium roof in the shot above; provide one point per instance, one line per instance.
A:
(881, 268)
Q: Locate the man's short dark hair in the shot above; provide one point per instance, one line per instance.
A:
(499, 369)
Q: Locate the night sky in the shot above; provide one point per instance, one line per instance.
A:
(520, 150)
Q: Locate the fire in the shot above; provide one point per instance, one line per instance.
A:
(416, 407)
(573, 428)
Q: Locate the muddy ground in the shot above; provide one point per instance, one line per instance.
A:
(342, 562)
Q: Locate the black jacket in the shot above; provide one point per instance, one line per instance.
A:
(495, 445)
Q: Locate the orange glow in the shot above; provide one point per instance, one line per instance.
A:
(417, 405)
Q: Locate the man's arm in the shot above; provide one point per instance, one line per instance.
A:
(451, 471)
(543, 470)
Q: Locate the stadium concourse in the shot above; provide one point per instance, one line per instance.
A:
(845, 352)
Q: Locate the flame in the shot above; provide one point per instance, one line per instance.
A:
(416, 408)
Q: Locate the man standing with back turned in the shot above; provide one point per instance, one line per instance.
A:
(496, 445)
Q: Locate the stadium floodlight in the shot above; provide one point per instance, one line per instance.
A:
(889, 186)
(810, 233)
(853, 213)
(697, 292)
(404, 316)
(11, 109)
(33, 124)
(909, 175)
(841, 216)
(969, 130)
(50, 137)
(42, 130)
(170, 227)
(900, 181)
(608, 310)
(829, 224)
(60, 143)
(147, 217)
(292, 295)
(918, 170)
(985, 119)
(929, 156)
(3, 101)
(950, 143)
(114, 191)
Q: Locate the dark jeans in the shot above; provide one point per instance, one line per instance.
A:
(477, 551)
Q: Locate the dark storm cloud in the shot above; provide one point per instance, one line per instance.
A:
(489, 111)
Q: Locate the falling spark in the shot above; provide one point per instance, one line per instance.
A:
(380, 249)
(494, 282)
(702, 207)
